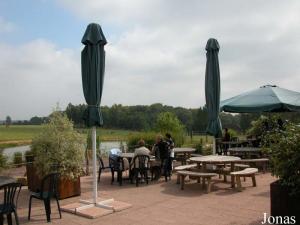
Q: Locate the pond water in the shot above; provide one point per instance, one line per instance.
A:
(105, 146)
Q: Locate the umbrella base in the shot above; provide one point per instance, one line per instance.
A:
(88, 209)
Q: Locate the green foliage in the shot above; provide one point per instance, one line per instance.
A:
(38, 120)
(258, 127)
(148, 137)
(232, 133)
(283, 146)
(245, 120)
(8, 121)
(3, 160)
(17, 159)
(207, 149)
(199, 147)
(168, 123)
(59, 144)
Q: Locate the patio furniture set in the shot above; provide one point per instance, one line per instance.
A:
(139, 168)
(222, 165)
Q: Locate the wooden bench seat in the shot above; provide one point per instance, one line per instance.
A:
(184, 167)
(237, 167)
(205, 176)
(241, 166)
(263, 161)
(248, 172)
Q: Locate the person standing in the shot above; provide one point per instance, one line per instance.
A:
(226, 138)
(171, 145)
(160, 150)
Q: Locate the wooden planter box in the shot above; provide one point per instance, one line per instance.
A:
(282, 204)
(66, 188)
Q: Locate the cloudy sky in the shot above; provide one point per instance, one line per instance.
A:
(155, 50)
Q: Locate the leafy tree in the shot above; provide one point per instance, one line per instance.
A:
(8, 121)
(168, 123)
(246, 119)
(38, 120)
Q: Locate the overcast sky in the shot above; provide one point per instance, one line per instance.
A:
(155, 51)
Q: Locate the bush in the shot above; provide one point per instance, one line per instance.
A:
(199, 147)
(60, 145)
(148, 137)
(169, 123)
(207, 149)
(18, 159)
(232, 133)
(283, 146)
(3, 160)
(258, 127)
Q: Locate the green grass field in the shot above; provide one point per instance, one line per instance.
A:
(17, 135)
(18, 132)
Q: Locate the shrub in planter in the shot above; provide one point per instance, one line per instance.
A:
(283, 147)
(60, 145)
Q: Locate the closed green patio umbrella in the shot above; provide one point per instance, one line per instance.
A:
(268, 98)
(212, 89)
(92, 69)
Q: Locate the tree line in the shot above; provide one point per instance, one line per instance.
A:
(143, 117)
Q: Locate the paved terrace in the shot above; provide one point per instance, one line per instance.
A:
(161, 203)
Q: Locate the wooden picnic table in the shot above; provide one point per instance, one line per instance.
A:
(6, 180)
(216, 159)
(186, 153)
(245, 152)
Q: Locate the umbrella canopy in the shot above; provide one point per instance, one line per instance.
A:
(92, 69)
(268, 98)
(212, 88)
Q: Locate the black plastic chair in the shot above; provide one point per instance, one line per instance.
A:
(9, 204)
(48, 191)
(101, 167)
(141, 166)
(116, 164)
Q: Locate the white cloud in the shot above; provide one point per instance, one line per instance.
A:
(35, 76)
(162, 45)
(156, 53)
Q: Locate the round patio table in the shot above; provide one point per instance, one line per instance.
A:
(6, 180)
(217, 159)
(186, 153)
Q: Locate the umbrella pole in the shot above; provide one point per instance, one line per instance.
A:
(94, 165)
(214, 145)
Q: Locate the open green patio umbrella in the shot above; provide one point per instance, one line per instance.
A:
(268, 98)
(92, 69)
(212, 88)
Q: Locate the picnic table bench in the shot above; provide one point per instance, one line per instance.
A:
(205, 176)
(184, 167)
(248, 172)
(263, 161)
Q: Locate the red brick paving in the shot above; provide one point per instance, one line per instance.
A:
(163, 203)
